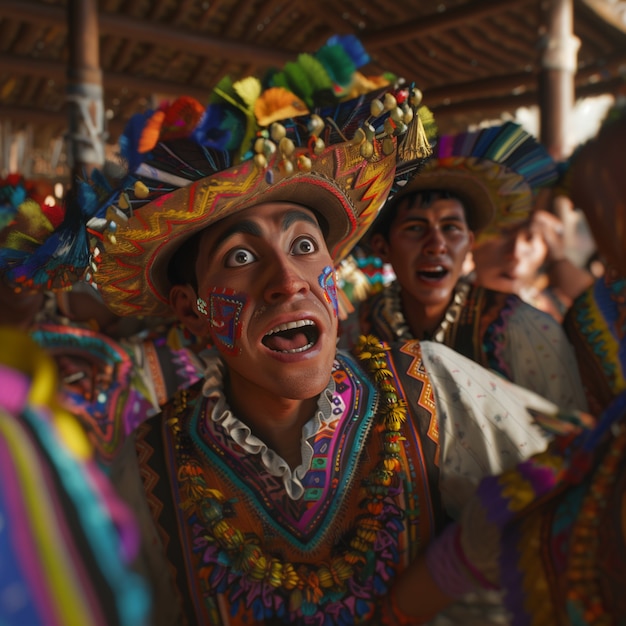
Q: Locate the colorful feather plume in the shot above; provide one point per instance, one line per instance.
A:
(507, 160)
(353, 47)
(183, 141)
(42, 245)
(508, 145)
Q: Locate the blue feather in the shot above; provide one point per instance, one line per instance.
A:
(7, 215)
(213, 130)
(353, 48)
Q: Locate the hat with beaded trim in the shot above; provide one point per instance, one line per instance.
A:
(256, 142)
(495, 170)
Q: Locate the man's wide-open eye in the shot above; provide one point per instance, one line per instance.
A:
(239, 256)
(304, 245)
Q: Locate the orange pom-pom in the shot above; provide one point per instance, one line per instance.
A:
(150, 133)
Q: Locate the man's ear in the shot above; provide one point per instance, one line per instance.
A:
(379, 246)
(183, 300)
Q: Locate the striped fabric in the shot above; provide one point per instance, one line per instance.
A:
(65, 540)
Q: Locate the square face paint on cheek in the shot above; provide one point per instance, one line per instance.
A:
(224, 310)
(327, 283)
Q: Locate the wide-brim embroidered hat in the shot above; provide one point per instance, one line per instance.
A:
(495, 171)
(187, 169)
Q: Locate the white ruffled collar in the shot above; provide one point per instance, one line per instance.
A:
(221, 414)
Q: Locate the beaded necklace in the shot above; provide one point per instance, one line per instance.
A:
(397, 321)
(246, 557)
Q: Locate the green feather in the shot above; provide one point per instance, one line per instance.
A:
(232, 97)
(295, 79)
(223, 92)
(316, 72)
(338, 64)
(232, 122)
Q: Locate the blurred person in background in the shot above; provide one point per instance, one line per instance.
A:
(475, 185)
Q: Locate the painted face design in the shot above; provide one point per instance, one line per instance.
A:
(224, 309)
(327, 283)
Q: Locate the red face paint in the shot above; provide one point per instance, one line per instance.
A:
(225, 307)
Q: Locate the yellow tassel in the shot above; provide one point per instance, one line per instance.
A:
(415, 144)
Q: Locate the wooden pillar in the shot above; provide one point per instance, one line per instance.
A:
(84, 89)
(559, 49)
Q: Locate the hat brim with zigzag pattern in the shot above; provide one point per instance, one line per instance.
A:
(345, 189)
(495, 171)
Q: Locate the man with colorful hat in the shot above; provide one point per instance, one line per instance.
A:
(476, 184)
(294, 482)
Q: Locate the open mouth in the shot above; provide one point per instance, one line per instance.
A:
(433, 273)
(292, 337)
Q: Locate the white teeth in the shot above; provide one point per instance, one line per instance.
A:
(291, 325)
(295, 350)
(436, 268)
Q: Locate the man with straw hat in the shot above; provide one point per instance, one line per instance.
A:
(476, 184)
(294, 482)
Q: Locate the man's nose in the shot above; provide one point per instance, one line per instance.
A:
(285, 279)
(435, 241)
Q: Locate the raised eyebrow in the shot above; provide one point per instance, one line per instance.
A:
(249, 227)
(293, 216)
(245, 227)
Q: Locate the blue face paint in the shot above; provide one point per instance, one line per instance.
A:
(327, 283)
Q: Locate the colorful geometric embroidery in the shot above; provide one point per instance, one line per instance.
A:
(240, 552)
(426, 398)
(225, 308)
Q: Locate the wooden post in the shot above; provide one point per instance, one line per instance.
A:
(559, 49)
(557, 92)
(84, 89)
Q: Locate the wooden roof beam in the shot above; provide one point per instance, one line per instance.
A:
(496, 106)
(431, 24)
(19, 66)
(123, 26)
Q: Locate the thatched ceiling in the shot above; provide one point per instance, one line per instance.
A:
(473, 59)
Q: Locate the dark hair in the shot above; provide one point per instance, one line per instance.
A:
(382, 224)
(181, 269)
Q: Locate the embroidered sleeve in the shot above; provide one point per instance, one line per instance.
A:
(541, 358)
(484, 425)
